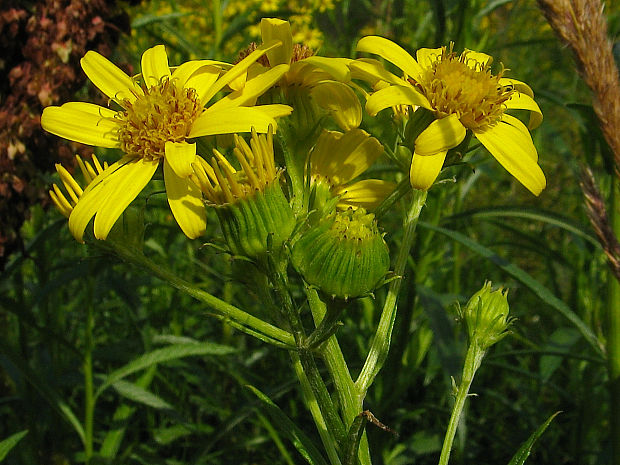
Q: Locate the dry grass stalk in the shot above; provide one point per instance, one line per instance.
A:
(582, 26)
(595, 206)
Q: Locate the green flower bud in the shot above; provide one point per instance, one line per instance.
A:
(344, 255)
(486, 316)
(253, 211)
(253, 224)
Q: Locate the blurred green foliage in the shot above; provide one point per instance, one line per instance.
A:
(197, 409)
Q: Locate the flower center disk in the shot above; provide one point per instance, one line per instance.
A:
(163, 114)
(461, 85)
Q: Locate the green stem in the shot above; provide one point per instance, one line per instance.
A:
(381, 342)
(245, 322)
(217, 25)
(328, 440)
(613, 334)
(89, 398)
(280, 284)
(351, 402)
(473, 359)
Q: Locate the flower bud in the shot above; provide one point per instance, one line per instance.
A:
(255, 224)
(344, 255)
(486, 316)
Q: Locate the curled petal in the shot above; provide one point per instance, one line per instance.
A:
(343, 157)
(368, 193)
(373, 72)
(522, 101)
(340, 100)
(441, 135)
(277, 29)
(425, 169)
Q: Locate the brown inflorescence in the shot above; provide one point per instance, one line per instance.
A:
(40, 51)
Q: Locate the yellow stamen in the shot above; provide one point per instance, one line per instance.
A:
(459, 84)
(165, 113)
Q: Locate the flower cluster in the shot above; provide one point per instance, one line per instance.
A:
(320, 200)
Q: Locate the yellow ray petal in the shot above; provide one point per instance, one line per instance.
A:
(198, 75)
(372, 71)
(391, 52)
(274, 110)
(442, 134)
(427, 56)
(395, 95)
(180, 156)
(346, 157)
(109, 78)
(368, 193)
(425, 169)
(517, 85)
(514, 150)
(252, 89)
(337, 68)
(340, 100)
(529, 148)
(93, 197)
(238, 69)
(72, 122)
(155, 65)
(475, 59)
(522, 101)
(123, 186)
(231, 120)
(277, 29)
(185, 200)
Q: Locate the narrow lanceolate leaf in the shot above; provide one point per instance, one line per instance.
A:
(137, 394)
(301, 442)
(10, 442)
(526, 448)
(165, 354)
(541, 291)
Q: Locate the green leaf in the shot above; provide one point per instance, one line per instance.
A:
(529, 213)
(541, 291)
(42, 386)
(165, 354)
(526, 448)
(562, 340)
(10, 442)
(301, 442)
(138, 394)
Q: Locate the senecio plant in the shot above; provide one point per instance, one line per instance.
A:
(288, 189)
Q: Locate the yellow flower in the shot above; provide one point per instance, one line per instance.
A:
(153, 126)
(464, 96)
(339, 158)
(309, 76)
(74, 190)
